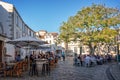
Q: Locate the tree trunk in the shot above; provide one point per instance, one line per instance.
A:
(66, 47)
(92, 48)
(80, 50)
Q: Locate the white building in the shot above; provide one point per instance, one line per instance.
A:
(12, 26)
(41, 34)
(50, 38)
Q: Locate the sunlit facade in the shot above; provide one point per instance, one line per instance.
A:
(12, 27)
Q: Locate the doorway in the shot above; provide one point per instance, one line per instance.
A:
(1, 48)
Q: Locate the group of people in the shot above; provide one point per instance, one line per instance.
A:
(91, 60)
(48, 56)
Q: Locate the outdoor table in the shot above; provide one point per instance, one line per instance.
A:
(11, 64)
(41, 60)
(39, 64)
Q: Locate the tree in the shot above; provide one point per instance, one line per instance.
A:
(66, 32)
(93, 24)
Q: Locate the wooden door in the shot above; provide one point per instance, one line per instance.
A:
(1, 48)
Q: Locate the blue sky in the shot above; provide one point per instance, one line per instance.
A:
(49, 14)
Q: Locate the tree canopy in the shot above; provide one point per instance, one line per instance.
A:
(96, 23)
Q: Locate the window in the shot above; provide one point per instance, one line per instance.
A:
(17, 34)
(17, 20)
(1, 28)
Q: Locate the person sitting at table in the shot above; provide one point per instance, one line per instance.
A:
(26, 58)
(39, 55)
(18, 58)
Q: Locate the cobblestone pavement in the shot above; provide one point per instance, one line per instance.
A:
(65, 70)
(115, 71)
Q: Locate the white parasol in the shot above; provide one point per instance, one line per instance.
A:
(26, 41)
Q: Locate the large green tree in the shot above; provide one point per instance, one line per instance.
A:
(93, 24)
(66, 33)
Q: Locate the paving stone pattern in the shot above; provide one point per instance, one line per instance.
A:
(115, 71)
(65, 70)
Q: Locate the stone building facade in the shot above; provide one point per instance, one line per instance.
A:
(12, 27)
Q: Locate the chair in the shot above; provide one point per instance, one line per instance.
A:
(7, 70)
(52, 63)
(21, 66)
(1, 68)
(25, 65)
(17, 70)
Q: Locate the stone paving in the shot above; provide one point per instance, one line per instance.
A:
(115, 71)
(65, 70)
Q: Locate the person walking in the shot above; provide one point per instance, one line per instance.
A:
(63, 55)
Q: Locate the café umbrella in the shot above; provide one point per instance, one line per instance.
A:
(27, 41)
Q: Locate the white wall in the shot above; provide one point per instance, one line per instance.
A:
(5, 15)
(17, 25)
(11, 51)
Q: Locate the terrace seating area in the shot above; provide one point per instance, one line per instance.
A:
(13, 68)
(42, 66)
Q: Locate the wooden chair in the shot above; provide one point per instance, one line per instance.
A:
(7, 70)
(21, 66)
(52, 63)
(17, 70)
(25, 65)
(1, 64)
(1, 68)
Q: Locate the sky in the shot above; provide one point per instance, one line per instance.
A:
(49, 14)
